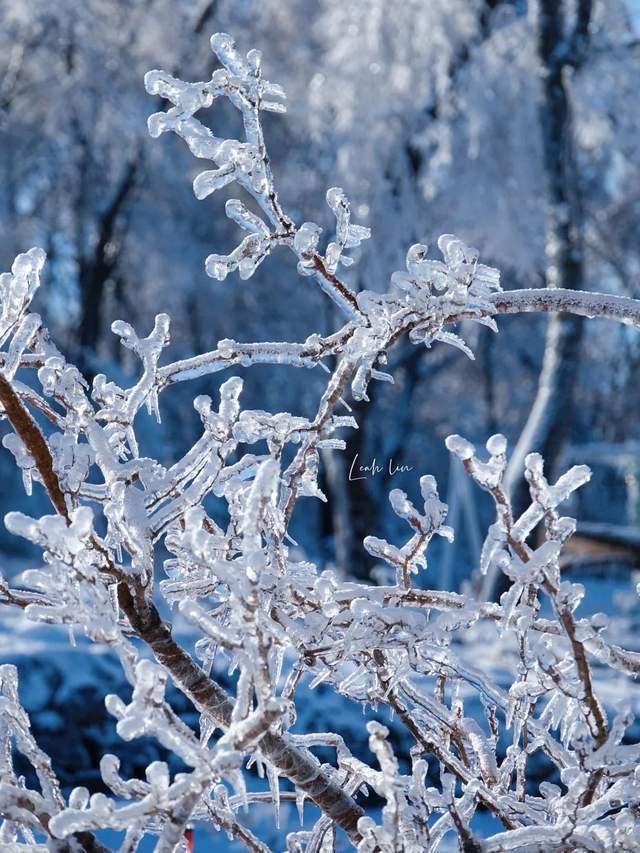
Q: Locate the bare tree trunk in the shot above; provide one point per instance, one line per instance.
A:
(355, 504)
(96, 271)
(547, 426)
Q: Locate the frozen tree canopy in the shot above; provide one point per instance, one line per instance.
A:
(129, 539)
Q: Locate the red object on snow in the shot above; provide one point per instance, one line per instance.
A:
(188, 835)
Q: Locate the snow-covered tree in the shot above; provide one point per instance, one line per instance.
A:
(130, 537)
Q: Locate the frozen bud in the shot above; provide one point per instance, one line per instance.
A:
(217, 267)
(366, 827)
(157, 774)
(224, 48)
(221, 42)
(402, 506)
(226, 347)
(382, 550)
(240, 214)
(79, 797)
(307, 236)
(575, 477)
(48, 374)
(545, 653)
(254, 60)
(115, 706)
(14, 445)
(376, 729)
(566, 527)
(462, 448)
(428, 487)
(229, 395)
(31, 261)
(159, 123)
(599, 621)
(202, 405)
(417, 254)
(336, 198)
(455, 252)
(155, 82)
(534, 465)
(213, 179)
(38, 257)
(161, 327)
(497, 445)
(124, 330)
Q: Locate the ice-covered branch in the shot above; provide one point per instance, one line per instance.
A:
(209, 532)
(585, 304)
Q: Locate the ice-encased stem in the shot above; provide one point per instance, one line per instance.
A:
(298, 765)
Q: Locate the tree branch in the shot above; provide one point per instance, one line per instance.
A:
(298, 765)
(580, 302)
